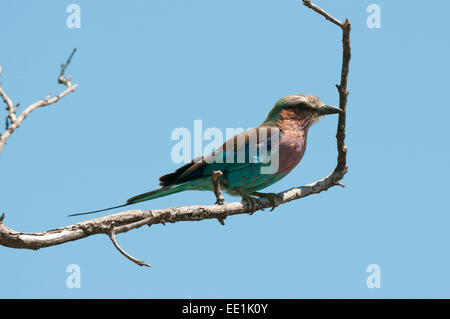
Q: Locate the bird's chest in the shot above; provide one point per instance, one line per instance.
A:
(291, 150)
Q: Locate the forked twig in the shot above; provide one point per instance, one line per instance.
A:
(13, 122)
(112, 236)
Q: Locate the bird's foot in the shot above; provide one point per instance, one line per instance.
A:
(220, 201)
(215, 178)
(272, 197)
(251, 201)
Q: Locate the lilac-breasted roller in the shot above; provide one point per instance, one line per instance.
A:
(252, 160)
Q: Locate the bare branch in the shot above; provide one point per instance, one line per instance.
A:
(9, 103)
(112, 236)
(342, 87)
(132, 219)
(343, 94)
(13, 122)
(327, 16)
(61, 78)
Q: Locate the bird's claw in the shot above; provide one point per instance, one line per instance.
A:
(251, 201)
(220, 201)
(272, 197)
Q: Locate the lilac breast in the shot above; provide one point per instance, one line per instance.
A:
(292, 147)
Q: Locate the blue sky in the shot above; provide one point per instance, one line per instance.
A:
(147, 67)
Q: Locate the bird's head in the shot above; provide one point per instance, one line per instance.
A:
(302, 108)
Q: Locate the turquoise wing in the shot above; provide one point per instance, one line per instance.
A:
(241, 160)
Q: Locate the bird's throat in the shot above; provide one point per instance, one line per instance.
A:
(296, 121)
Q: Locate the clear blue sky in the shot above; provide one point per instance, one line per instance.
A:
(147, 67)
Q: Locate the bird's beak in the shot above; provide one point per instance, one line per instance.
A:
(329, 109)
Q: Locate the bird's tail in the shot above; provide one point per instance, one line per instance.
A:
(142, 198)
(160, 192)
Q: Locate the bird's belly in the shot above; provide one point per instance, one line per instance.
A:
(252, 178)
(246, 179)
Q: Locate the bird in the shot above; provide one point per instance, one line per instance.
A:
(281, 137)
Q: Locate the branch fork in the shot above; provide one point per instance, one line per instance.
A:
(13, 121)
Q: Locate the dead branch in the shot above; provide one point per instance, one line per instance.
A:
(13, 122)
(132, 219)
(112, 236)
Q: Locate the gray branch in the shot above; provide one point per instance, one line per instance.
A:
(132, 219)
(14, 121)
